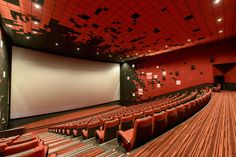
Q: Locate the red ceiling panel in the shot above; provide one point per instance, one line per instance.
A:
(125, 29)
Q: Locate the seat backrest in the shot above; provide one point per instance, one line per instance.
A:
(137, 116)
(23, 140)
(126, 122)
(171, 117)
(20, 147)
(149, 112)
(92, 127)
(181, 112)
(142, 131)
(159, 123)
(110, 129)
(39, 151)
(157, 110)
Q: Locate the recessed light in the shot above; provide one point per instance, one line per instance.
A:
(216, 1)
(78, 49)
(166, 46)
(27, 37)
(157, 66)
(36, 22)
(110, 56)
(127, 55)
(120, 58)
(34, 32)
(136, 53)
(37, 6)
(220, 31)
(149, 50)
(189, 40)
(97, 53)
(219, 19)
(133, 65)
(9, 25)
(56, 44)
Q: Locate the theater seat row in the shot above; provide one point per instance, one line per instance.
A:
(88, 127)
(152, 126)
(26, 145)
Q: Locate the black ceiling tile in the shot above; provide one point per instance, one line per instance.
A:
(156, 30)
(105, 9)
(99, 10)
(189, 17)
(164, 9)
(167, 39)
(201, 38)
(95, 25)
(196, 30)
(130, 29)
(84, 16)
(135, 15)
(77, 25)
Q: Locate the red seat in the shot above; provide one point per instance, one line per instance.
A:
(126, 122)
(157, 110)
(109, 132)
(193, 107)
(19, 141)
(91, 128)
(137, 116)
(39, 151)
(140, 134)
(20, 147)
(77, 131)
(148, 112)
(180, 113)
(171, 117)
(188, 110)
(159, 123)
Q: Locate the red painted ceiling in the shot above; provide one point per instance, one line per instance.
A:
(115, 30)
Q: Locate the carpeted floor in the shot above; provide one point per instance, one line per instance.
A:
(209, 133)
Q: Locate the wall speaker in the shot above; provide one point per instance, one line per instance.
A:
(212, 59)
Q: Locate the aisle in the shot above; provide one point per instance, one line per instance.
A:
(211, 132)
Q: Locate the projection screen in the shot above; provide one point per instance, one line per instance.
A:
(42, 83)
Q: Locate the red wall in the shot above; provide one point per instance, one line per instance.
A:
(181, 61)
(230, 76)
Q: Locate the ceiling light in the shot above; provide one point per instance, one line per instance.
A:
(37, 6)
(127, 55)
(1, 43)
(220, 31)
(189, 40)
(110, 56)
(149, 50)
(36, 22)
(133, 65)
(157, 66)
(120, 58)
(34, 32)
(56, 44)
(27, 37)
(136, 53)
(219, 19)
(166, 46)
(216, 1)
(9, 25)
(78, 49)
(97, 53)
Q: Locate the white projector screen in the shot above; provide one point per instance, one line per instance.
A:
(42, 83)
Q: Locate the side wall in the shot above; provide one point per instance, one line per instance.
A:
(5, 51)
(192, 66)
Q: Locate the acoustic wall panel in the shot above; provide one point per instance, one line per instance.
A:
(43, 83)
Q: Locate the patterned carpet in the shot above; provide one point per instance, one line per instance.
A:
(209, 133)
